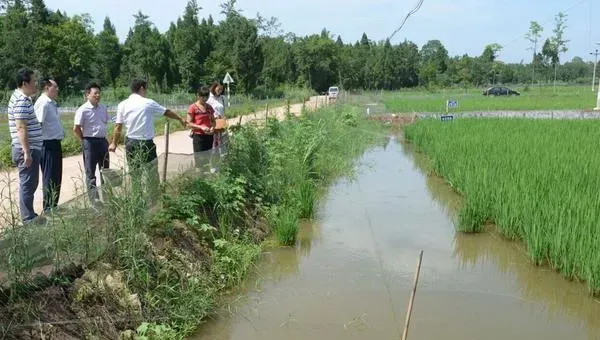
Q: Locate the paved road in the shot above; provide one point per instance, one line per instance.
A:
(179, 143)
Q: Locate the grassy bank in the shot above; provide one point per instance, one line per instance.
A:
(534, 98)
(536, 180)
(154, 271)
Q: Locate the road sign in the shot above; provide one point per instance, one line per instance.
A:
(452, 103)
(227, 80)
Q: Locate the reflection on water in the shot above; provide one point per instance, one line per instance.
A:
(350, 274)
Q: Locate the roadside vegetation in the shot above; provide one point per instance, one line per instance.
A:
(536, 180)
(150, 268)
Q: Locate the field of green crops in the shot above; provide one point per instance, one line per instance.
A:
(537, 180)
(535, 98)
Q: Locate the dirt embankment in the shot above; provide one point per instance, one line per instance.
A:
(98, 302)
(396, 121)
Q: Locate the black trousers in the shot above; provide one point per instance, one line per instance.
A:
(95, 155)
(140, 152)
(143, 165)
(51, 164)
(201, 143)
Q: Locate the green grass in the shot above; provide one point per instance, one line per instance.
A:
(199, 241)
(534, 98)
(537, 180)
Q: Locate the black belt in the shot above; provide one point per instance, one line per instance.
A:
(95, 138)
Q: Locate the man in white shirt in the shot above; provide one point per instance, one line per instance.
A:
(137, 113)
(90, 126)
(46, 111)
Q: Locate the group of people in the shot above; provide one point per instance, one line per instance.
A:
(36, 134)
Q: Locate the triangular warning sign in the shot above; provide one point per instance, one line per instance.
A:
(227, 79)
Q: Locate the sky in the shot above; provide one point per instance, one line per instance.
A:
(463, 26)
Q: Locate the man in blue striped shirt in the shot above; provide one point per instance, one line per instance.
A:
(26, 141)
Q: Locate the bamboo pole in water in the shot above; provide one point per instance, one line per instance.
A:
(412, 298)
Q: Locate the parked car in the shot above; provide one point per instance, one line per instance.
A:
(500, 91)
(333, 92)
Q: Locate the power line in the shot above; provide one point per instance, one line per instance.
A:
(413, 11)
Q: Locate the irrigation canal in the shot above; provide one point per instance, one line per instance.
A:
(350, 275)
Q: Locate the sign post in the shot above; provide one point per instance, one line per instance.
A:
(228, 80)
(450, 104)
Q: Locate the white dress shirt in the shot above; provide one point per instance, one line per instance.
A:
(46, 111)
(137, 114)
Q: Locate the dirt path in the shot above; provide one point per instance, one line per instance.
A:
(73, 173)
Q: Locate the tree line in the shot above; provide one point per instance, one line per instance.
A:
(259, 55)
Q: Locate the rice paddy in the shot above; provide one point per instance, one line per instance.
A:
(536, 180)
(534, 98)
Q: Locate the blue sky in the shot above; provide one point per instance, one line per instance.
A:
(463, 26)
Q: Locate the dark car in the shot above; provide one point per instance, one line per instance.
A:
(500, 91)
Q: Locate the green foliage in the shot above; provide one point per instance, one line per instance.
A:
(204, 236)
(534, 179)
(153, 331)
(261, 58)
(109, 54)
(285, 224)
(232, 261)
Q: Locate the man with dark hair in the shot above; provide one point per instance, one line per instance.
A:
(137, 114)
(26, 141)
(90, 126)
(46, 111)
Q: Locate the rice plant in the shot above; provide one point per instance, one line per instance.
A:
(537, 180)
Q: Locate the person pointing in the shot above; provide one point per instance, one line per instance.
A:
(137, 114)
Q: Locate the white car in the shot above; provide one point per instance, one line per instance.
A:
(333, 91)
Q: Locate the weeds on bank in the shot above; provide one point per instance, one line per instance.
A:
(177, 250)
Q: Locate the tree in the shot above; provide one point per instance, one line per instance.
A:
(268, 27)
(188, 42)
(228, 8)
(490, 52)
(17, 43)
(73, 40)
(533, 35)
(549, 55)
(558, 40)
(434, 61)
(39, 12)
(109, 54)
(238, 51)
(488, 59)
(147, 53)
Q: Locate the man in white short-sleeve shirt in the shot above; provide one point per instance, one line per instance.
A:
(90, 126)
(137, 113)
(46, 111)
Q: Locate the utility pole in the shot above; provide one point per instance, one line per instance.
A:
(597, 108)
(595, 54)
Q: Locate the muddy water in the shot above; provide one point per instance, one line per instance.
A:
(351, 273)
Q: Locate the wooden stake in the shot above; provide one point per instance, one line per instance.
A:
(412, 298)
(164, 176)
